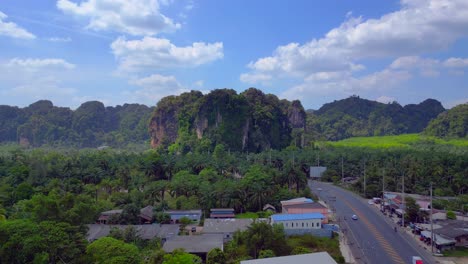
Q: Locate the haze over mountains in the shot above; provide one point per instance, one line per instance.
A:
(249, 121)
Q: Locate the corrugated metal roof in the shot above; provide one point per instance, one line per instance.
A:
(319, 257)
(288, 217)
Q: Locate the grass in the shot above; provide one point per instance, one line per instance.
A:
(247, 215)
(399, 141)
(457, 252)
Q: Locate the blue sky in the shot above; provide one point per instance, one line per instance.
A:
(138, 51)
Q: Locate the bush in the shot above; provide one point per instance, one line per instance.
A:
(451, 215)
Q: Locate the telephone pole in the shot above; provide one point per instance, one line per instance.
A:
(403, 201)
(364, 179)
(342, 170)
(432, 227)
(383, 189)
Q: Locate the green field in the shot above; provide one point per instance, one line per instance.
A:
(400, 141)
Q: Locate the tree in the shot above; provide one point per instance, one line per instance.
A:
(216, 256)
(181, 257)
(266, 253)
(300, 250)
(451, 215)
(111, 250)
(184, 221)
(130, 215)
(412, 209)
(162, 218)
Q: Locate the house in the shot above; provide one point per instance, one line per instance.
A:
(146, 215)
(307, 208)
(440, 242)
(176, 215)
(303, 206)
(300, 200)
(298, 221)
(269, 208)
(226, 227)
(197, 244)
(222, 213)
(317, 172)
(454, 230)
(146, 232)
(319, 257)
(104, 217)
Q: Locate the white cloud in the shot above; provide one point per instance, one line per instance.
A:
(418, 27)
(157, 53)
(344, 83)
(135, 17)
(10, 29)
(456, 63)
(385, 99)
(253, 78)
(153, 88)
(58, 39)
(199, 83)
(426, 67)
(37, 64)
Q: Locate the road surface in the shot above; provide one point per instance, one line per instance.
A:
(372, 238)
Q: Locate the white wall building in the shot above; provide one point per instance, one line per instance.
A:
(298, 221)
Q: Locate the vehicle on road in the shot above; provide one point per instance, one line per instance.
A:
(354, 217)
(319, 189)
(370, 202)
(417, 260)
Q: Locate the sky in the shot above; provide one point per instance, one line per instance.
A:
(138, 51)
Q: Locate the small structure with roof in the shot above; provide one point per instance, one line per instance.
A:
(197, 244)
(269, 208)
(104, 217)
(146, 232)
(317, 172)
(226, 227)
(176, 215)
(222, 213)
(145, 216)
(319, 257)
(304, 205)
(298, 221)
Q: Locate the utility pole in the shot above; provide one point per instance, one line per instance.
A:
(318, 159)
(403, 201)
(432, 227)
(364, 179)
(383, 189)
(342, 170)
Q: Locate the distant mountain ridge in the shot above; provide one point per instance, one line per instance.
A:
(249, 121)
(450, 124)
(90, 125)
(355, 116)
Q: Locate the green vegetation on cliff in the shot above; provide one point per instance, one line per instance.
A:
(450, 124)
(250, 121)
(90, 125)
(357, 117)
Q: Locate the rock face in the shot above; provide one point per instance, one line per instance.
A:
(250, 121)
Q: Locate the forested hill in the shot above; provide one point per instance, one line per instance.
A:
(250, 121)
(450, 124)
(355, 116)
(90, 125)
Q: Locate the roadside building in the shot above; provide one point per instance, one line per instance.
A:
(316, 172)
(454, 230)
(319, 257)
(145, 232)
(298, 221)
(108, 215)
(226, 227)
(222, 213)
(198, 244)
(176, 215)
(304, 205)
(441, 243)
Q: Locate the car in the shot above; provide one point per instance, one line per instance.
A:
(319, 189)
(370, 202)
(354, 217)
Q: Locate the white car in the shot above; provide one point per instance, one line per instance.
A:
(354, 217)
(370, 202)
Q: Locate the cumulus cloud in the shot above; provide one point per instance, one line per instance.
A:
(418, 27)
(134, 17)
(158, 53)
(385, 99)
(10, 29)
(153, 88)
(253, 78)
(456, 63)
(37, 64)
(58, 39)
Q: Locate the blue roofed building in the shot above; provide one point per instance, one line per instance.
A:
(298, 221)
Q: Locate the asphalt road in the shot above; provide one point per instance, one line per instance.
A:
(372, 238)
